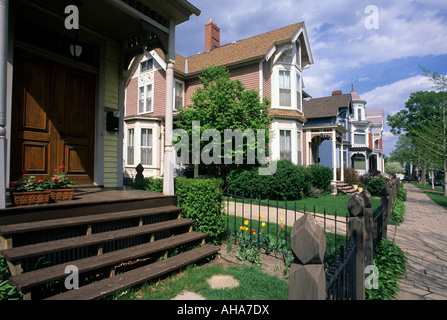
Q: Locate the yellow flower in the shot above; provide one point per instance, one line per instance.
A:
(241, 227)
(260, 216)
(263, 224)
(246, 222)
(281, 219)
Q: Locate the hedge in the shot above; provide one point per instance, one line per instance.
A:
(289, 182)
(202, 201)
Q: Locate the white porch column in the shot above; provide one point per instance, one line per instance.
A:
(342, 160)
(3, 79)
(168, 168)
(168, 161)
(334, 155)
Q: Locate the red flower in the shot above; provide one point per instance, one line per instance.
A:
(55, 179)
(13, 184)
(62, 167)
(25, 171)
(252, 230)
(40, 181)
(282, 227)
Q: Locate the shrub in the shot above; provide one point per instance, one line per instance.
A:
(7, 290)
(402, 194)
(202, 201)
(288, 182)
(154, 184)
(390, 261)
(397, 214)
(350, 175)
(320, 176)
(375, 186)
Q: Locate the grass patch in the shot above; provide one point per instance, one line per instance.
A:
(253, 285)
(438, 198)
(331, 204)
(427, 187)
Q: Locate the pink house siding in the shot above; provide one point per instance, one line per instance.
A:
(159, 92)
(132, 97)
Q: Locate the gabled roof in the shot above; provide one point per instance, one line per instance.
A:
(245, 50)
(326, 106)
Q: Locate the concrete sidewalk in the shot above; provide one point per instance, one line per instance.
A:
(423, 238)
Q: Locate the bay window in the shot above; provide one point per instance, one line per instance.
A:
(285, 145)
(285, 99)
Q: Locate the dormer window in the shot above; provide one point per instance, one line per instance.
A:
(146, 65)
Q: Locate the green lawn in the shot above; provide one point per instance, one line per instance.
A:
(331, 204)
(254, 284)
(427, 187)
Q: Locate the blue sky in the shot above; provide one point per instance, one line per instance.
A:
(382, 64)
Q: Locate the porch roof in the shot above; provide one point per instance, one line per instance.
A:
(325, 106)
(121, 19)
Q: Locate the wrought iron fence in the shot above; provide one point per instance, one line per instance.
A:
(267, 223)
(340, 275)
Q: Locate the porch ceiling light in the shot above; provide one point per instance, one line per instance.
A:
(75, 50)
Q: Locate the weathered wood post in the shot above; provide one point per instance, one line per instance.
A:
(369, 249)
(356, 227)
(387, 203)
(139, 178)
(307, 277)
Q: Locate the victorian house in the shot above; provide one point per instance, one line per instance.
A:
(271, 63)
(358, 133)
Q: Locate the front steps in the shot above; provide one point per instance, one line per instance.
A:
(109, 247)
(345, 188)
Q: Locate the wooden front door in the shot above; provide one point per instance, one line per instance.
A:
(53, 120)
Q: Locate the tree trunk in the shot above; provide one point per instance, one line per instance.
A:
(445, 178)
(424, 174)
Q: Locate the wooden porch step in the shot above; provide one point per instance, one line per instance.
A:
(18, 253)
(26, 281)
(125, 280)
(20, 228)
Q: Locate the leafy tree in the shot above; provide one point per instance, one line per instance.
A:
(423, 121)
(224, 104)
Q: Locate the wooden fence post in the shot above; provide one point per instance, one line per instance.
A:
(369, 249)
(387, 203)
(307, 276)
(356, 225)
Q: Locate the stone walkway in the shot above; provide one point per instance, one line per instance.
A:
(423, 238)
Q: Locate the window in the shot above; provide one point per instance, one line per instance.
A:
(299, 149)
(359, 162)
(359, 137)
(376, 144)
(130, 146)
(284, 88)
(179, 94)
(359, 114)
(146, 147)
(146, 65)
(285, 145)
(298, 92)
(145, 99)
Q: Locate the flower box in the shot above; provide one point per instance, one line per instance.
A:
(30, 198)
(61, 194)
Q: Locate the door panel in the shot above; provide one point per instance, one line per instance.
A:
(54, 108)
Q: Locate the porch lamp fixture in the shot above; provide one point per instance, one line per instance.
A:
(76, 48)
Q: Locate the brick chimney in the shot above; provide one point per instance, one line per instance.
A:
(212, 35)
(337, 93)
